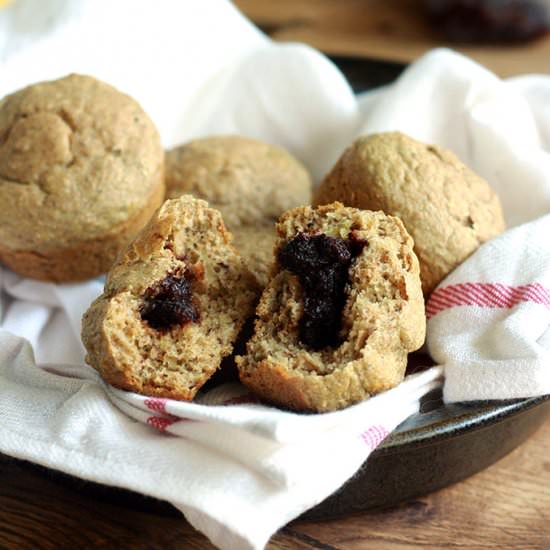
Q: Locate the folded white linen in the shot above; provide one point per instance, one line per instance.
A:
(489, 321)
(243, 469)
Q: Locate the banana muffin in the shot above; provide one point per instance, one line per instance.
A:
(255, 244)
(172, 306)
(342, 311)
(81, 172)
(251, 182)
(448, 209)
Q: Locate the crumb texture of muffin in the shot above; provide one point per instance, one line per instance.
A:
(448, 209)
(81, 172)
(250, 182)
(173, 304)
(341, 313)
(255, 244)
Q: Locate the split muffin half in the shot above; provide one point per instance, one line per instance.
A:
(173, 304)
(340, 314)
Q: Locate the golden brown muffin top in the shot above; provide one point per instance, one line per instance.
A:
(77, 158)
(447, 208)
(249, 181)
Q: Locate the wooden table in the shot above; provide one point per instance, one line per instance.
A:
(505, 506)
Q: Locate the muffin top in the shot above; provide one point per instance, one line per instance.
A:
(77, 159)
(447, 208)
(249, 181)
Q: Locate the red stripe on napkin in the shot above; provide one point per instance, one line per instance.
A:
(374, 436)
(485, 295)
(161, 423)
(156, 404)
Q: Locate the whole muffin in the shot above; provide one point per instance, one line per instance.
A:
(173, 304)
(250, 182)
(342, 311)
(447, 208)
(81, 172)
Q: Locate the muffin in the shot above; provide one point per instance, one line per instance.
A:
(81, 172)
(173, 304)
(447, 208)
(342, 311)
(255, 244)
(252, 183)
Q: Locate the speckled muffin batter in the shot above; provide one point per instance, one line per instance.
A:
(172, 306)
(255, 244)
(342, 311)
(447, 208)
(81, 171)
(251, 182)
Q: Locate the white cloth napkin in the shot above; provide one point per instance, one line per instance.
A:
(490, 319)
(239, 470)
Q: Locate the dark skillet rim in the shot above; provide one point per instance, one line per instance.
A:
(466, 418)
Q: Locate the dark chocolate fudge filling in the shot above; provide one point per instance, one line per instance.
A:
(170, 302)
(322, 264)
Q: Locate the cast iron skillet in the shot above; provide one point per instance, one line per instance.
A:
(440, 445)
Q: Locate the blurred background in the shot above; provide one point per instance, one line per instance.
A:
(509, 37)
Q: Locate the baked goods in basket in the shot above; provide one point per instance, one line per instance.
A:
(448, 209)
(341, 313)
(172, 306)
(251, 182)
(81, 172)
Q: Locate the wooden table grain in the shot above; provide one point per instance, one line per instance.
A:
(505, 506)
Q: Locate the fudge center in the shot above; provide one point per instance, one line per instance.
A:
(321, 264)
